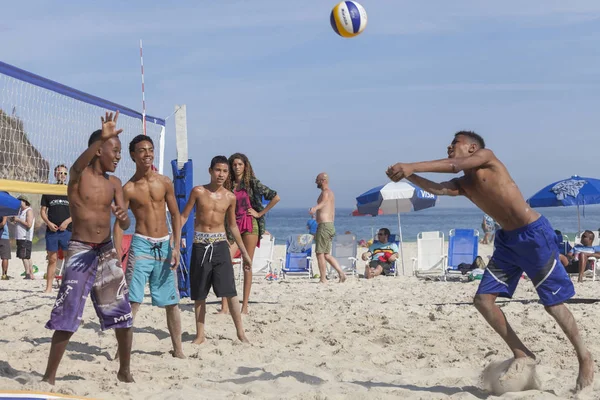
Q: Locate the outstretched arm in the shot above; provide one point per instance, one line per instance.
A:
(109, 130)
(450, 188)
(446, 165)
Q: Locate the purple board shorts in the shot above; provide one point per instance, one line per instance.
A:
(95, 268)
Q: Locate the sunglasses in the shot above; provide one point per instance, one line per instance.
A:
(381, 234)
(62, 173)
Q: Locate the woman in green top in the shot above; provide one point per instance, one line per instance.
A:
(249, 212)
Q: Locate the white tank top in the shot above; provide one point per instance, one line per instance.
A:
(22, 233)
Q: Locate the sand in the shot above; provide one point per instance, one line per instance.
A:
(384, 338)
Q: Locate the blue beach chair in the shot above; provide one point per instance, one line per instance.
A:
(298, 256)
(463, 248)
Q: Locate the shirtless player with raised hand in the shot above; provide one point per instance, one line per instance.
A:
(211, 262)
(91, 262)
(151, 258)
(526, 242)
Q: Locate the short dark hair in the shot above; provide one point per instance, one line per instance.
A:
(590, 233)
(473, 137)
(139, 139)
(94, 137)
(218, 160)
(60, 166)
(385, 231)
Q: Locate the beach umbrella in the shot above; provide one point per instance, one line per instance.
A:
(573, 191)
(8, 205)
(395, 198)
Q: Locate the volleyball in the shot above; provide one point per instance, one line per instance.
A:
(348, 19)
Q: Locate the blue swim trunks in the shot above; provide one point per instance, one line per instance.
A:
(150, 260)
(531, 249)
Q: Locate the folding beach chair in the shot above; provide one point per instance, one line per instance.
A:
(345, 250)
(430, 260)
(298, 257)
(463, 247)
(262, 262)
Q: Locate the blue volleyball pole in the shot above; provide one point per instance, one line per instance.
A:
(183, 181)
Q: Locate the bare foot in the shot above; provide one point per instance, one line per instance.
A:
(586, 373)
(322, 280)
(49, 380)
(223, 311)
(125, 377)
(243, 338)
(177, 354)
(199, 340)
(48, 291)
(342, 278)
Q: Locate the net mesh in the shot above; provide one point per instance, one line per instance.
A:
(41, 128)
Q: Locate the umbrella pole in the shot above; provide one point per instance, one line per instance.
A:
(400, 233)
(578, 220)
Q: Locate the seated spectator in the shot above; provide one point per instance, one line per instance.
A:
(578, 256)
(381, 255)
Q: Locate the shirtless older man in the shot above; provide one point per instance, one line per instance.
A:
(211, 262)
(151, 258)
(92, 263)
(526, 242)
(325, 212)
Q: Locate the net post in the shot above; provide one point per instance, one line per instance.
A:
(181, 134)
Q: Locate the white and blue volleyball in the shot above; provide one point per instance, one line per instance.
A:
(348, 19)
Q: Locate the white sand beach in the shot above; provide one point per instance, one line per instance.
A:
(381, 339)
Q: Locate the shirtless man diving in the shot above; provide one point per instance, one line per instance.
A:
(91, 261)
(151, 258)
(526, 242)
(211, 262)
(325, 212)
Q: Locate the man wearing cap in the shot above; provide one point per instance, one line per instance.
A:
(24, 223)
(55, 213)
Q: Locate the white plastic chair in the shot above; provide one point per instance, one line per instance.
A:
(345, 251)
(262, 262)
(431, 259)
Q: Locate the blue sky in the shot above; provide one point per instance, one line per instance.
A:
(272, 80)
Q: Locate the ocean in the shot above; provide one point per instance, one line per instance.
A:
(283, 222)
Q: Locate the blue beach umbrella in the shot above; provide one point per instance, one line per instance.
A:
(395, 198)
(8, 205)
(573, 191)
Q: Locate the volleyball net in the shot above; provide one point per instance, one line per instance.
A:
(44, 124)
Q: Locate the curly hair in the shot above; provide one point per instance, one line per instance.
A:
(248, 171)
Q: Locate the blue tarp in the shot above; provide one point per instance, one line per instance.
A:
(183, 181)
(8, 205)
